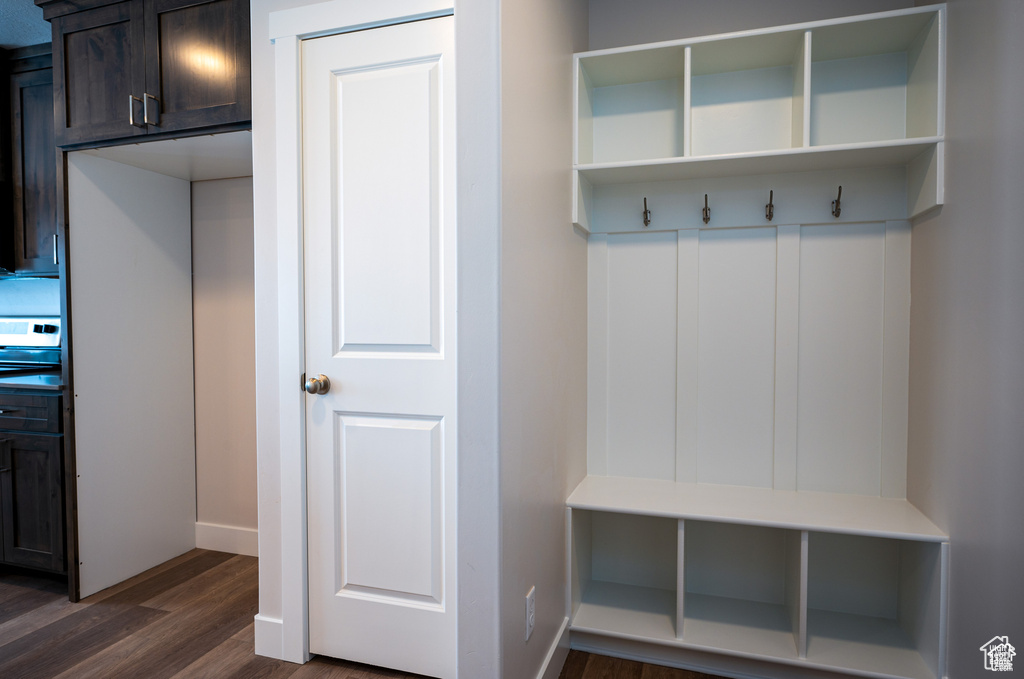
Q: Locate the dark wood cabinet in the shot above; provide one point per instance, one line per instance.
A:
(147, 67)
(99, 73)
(32, 487)
(33, 166)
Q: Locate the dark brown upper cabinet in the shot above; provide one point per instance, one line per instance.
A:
(33, 166)
(146, 67)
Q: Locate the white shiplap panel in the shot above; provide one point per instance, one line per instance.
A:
(642, 355)
(896, 360)
(687, 355)
(787, 356)
(840, 383)
(736, 366)
(597, 354)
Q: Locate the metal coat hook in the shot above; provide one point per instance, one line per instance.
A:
(836, 206)
(769, 209)
(646, 213)
(706, 212)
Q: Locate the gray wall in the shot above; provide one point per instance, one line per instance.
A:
(543, 322)
(966, 454)
(614, 23)
(223, 311)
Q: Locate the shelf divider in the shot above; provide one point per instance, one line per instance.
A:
(687, 94)
(680, 580)
(805, 76)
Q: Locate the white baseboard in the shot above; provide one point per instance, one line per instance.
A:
(269, 637)
(231, 539)
(552, 666)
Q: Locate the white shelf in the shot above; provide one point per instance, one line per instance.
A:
(871, 646)
(738, 625)
(627, 611)
(798, 510)
(893, 153)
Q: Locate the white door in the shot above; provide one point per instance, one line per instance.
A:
(379, 227)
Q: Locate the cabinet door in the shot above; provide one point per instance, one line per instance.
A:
(34, 173)
(197, 63)
(98, 67)
(31, 500)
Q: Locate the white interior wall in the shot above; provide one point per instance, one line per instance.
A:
(543, 326)
(223, 312)
(965, 460)
(478, 189)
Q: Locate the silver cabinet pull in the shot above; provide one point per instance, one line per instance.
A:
(145, 109)
(318, 385)
(55, 262)
(131, 110)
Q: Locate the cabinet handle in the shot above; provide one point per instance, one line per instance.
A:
(6, 412)
(131, 110)
(55, 262)
(145, 109)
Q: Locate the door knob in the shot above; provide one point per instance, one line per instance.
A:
(318, 385)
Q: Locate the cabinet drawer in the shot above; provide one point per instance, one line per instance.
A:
(30, 412)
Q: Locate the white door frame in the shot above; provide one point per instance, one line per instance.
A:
(287, 29)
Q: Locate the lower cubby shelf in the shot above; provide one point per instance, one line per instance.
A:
(738, 626)
(863, 644)
(831, 597)
(628, 610)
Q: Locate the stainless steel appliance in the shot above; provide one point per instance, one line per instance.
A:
(29, 345)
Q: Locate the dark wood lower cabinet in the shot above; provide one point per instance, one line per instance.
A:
(31, 499)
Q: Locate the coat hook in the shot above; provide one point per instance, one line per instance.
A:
(836, 207)
(706, 212)
(769, 209)
(646, 213)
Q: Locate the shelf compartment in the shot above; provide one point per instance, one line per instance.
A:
(742, 588)
(876, 80)
(747, 94)
(797, 510)
(876, 605)
(623, 574)
(630, 105)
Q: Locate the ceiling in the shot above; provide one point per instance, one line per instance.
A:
(21, 24)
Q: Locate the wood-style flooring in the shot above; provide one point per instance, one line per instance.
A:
(580, 665)
(190, 618)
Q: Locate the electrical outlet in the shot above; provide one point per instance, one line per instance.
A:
(531, 611)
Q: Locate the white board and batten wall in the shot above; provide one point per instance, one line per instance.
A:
(153, 438)
(748, 367)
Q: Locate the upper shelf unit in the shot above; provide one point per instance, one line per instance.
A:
(864, 91)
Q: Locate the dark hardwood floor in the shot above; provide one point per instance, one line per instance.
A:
(580, 665)
(190, 618)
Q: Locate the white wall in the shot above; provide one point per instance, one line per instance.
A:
(966, 445)
(223, 324)
(614, 23)
(543, 323)
(478, 120)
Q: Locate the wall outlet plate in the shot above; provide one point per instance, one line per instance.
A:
(531, 611)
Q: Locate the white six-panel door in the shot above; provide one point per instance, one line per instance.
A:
(379, 237)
